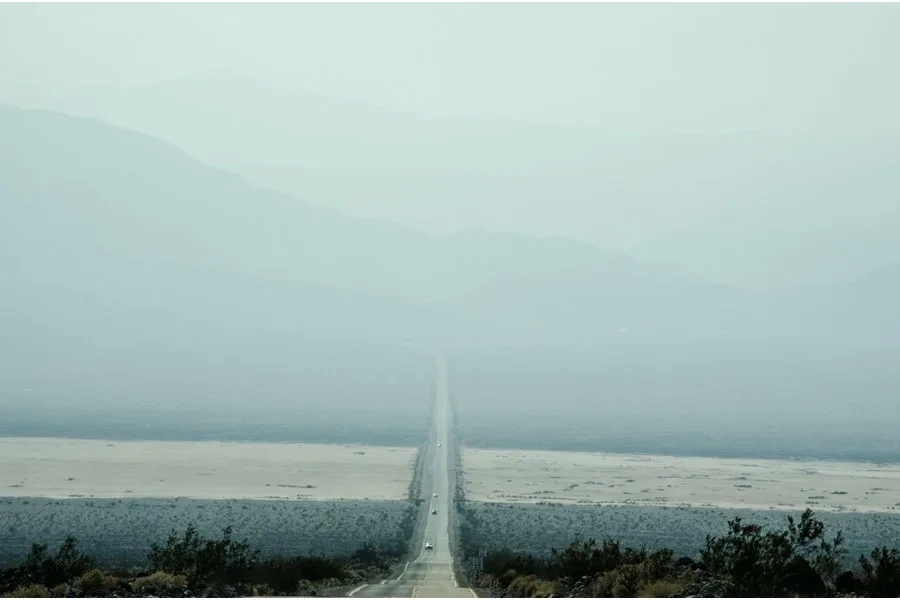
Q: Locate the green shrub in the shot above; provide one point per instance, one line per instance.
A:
(282, 574)
(204, 561)
(94, 583)
(304, 588)
(664, 588)
(68, 563)
(603, 584)
(628, 580)
(757, 563)
(522, 586)
(262, 590)
(585, 558)
(31, 590)
(881, 574)
(547, 589)
(159, 581)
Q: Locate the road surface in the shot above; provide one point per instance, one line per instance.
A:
(430, 574)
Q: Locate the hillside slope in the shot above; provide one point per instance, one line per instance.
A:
(130, 222)
(824, 204)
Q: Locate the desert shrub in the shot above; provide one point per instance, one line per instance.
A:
(881, 573)
(628, 580)
(503, 562)
(507, 578)
(95, 583)
(366, 554)
(49, 570)
(757, 563)
(522, 586)
(663, 588)
(548, 589)
(659, 565)
(531, 586)
(603, 585)
(488, 582)
(639, 570)
(31, 590)
(585, 558)
(59, 591)
(262, 590)
(282, 574)
(204, 561)
(160, 582)
(370, 555)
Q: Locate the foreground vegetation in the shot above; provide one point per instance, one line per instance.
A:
(119, 531)
(747, 561)
(535, 528)
(189, 565)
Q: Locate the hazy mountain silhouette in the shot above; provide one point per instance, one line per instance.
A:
(824, 204)
(142, 230)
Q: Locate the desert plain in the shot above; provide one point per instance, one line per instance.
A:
(77, 468)
(515, 476)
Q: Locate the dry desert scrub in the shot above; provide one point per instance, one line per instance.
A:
(660, 589)
(95, 583)
(29, 591)
(159, 581)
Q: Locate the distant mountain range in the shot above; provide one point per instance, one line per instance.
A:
(746, 208)
(121, 239)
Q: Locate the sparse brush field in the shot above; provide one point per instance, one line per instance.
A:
(536, 528)
(119, 497)
(530, 501)
(120, 531)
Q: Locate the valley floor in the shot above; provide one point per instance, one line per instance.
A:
(525, 476)
(76, 468)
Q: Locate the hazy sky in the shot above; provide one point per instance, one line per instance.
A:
(684, 68)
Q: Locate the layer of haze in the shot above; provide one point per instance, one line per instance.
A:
(752, 144)
(628, 224)
(710, 69)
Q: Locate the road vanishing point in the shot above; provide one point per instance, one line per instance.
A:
(430, 574)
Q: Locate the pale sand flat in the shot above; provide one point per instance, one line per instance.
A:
(624, 479)
(64, 468)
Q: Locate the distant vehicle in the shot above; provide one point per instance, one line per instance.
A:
(434, 511)
(439, 445)
(428, 546)
(435, 494)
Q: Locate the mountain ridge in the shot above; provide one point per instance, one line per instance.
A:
(180, 211)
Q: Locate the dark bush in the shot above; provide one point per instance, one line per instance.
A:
(42, 568)
(586, 558)
(203, 561)
(368, 555)
(881, 573)
(757, 563)
(282, 574)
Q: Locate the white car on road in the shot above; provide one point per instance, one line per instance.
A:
(428, 546)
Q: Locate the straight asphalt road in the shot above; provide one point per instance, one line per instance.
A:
(430, 574)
